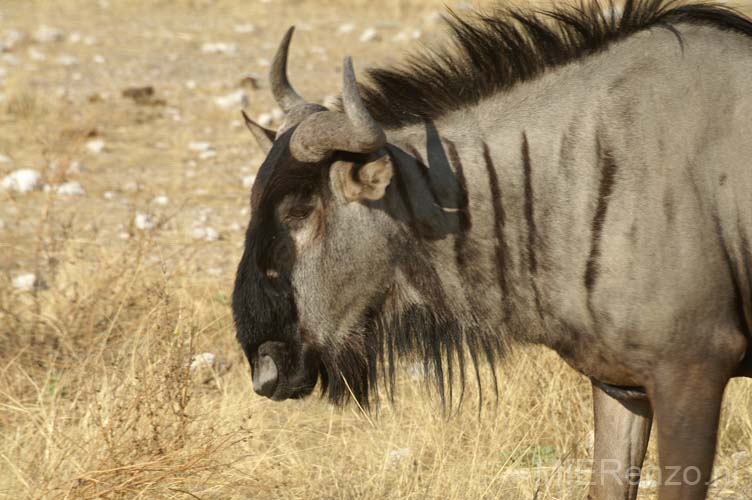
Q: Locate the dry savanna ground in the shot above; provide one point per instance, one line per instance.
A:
(115, 273)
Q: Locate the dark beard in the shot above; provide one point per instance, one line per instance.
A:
(416, 333)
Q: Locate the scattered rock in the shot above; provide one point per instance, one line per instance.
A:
(24, 180)
(244, 28)
(11, 39)
(278, 115)
(4, 158)
(162, 200)
(206, 366)
(346, 28)
(95, 146)
(71, 188)
(219, 48)
(11, 59)
(263, 62)
(205, 155)
(36, 54)
(248, 181)
(370, 35)
(67, 60)
(232, 100)
(47, 34)
(265, 119)
(74, 168)
(399, 455)
(145, 222)
(25, 282)
(98, 59)
(108, 195)
(205, 233)
(199, 146)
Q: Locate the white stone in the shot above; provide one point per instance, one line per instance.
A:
(108, 195)
(47, 34)
(25, 282)
(67, 60)
(265, 119)
(214, 271)
(244, 28)
(71, 188)
(232, 100)
(199, 146)
(161, 200)
(211, 234)
(123, 235)
(198, 233)
(74, 37)
(219, 48)
(190, 84)
(24, 180)
(11, 59)
(202, 360)
(10, 39)
(263, 62)
(95, 146)
(36, 54)
(99, 59)
(346, 28)
(278, 115)
(75, 167)
(90, 40)
(205, 155)
(400, 454)
(206, 366)
(236, 226)
(248, 181)
(145, 222)
(4, 158)
(370, 35)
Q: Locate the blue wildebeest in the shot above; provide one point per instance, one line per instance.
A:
(579, 178)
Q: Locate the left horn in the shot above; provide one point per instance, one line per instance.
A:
(282, 90)
(354, 131)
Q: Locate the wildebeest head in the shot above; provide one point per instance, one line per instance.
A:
(317, 249)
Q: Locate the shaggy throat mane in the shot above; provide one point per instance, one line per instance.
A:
(488, 53)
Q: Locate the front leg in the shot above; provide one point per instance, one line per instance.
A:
(622, 431)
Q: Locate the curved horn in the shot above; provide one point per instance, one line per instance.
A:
(354, 131)
(283, 92)
(367, 132)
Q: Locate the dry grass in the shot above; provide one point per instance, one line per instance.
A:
(96, 396)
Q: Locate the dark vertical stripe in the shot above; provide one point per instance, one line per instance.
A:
(608, 170)
(529, 206)
(532, 234)
(499, 222)
(465, 220)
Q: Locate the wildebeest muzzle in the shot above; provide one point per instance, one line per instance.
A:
(282, 373)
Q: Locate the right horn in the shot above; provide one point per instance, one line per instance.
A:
(324, 132)
(283, 92)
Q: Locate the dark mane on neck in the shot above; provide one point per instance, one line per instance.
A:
(492, 52)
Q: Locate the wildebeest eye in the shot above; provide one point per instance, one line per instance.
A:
(299, 212)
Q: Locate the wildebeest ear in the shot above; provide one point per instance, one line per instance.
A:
(264, 137)
(369, 181)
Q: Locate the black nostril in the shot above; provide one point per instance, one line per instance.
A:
(265, 376)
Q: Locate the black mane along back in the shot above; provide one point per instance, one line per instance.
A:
(489, 53)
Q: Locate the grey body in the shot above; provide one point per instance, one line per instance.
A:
(675, 121)
(608, 216)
